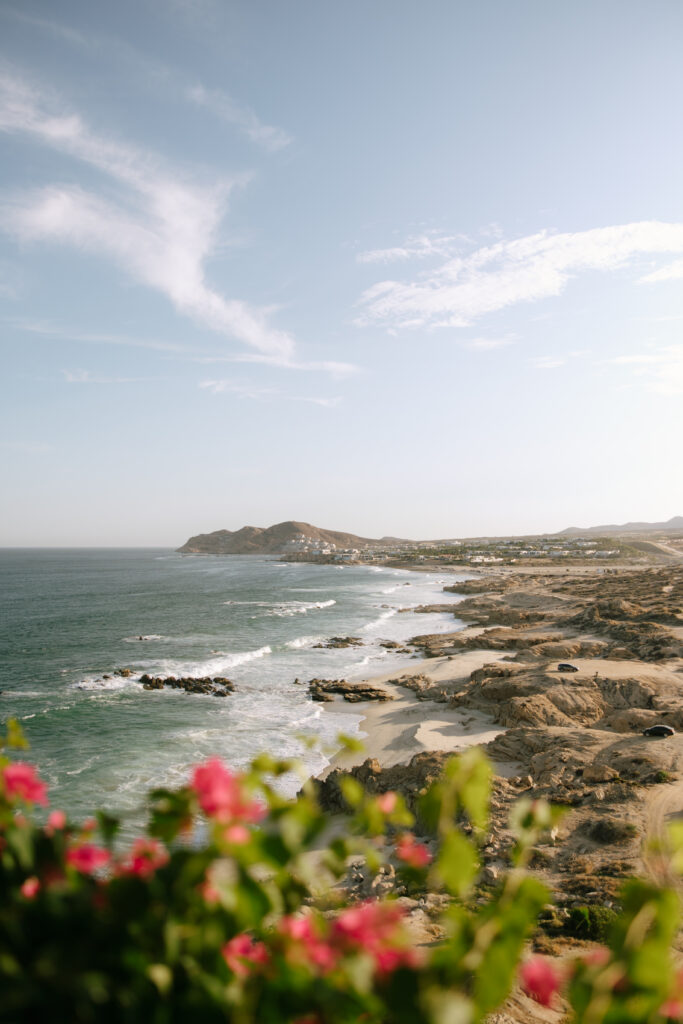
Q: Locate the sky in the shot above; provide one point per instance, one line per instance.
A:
(388, 268)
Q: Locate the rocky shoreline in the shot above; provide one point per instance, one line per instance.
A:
(572, 667)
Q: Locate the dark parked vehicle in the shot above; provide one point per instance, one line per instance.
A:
(564, 667)
(659, 730)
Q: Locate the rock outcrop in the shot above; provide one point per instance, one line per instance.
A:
(215, 686)
(324, 690)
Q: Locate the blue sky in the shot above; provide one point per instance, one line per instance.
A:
(392, 268)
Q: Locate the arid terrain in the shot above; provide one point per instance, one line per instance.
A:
(572, 735)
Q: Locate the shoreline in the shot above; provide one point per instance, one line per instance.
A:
(393, 731)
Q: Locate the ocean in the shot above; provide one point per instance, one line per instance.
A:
(69, 618)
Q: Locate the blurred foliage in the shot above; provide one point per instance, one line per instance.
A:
(230, 908)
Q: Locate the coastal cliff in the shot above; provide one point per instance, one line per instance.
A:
(273, 540)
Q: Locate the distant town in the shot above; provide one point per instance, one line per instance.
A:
(465, 552)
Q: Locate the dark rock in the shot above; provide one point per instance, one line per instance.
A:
(341, 641)
(322, 690)
(207, 685)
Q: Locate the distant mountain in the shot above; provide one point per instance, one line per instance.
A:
(273, 540)
(674, 525)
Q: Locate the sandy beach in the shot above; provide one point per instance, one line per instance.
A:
(393, 731)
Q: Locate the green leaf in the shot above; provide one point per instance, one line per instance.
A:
(352, 791)
(445, 1007)
(108, 826)
(458, 863)
(15, 735)
(161, 975)
(474, 777)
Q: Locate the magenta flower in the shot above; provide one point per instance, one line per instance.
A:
(57, 819)
(377, 928)
(87, 858)
(30, 887)
(540, 980)
(307, 945)
(21, 781)
(243, 955)
(387, 802)
(411, 852)
(220, 794)
(146, 856)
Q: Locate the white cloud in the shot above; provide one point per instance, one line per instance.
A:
(174, 84)
(336, 369)
(415, 247)
(672, 272)
(547, 363)
(466, 287)
(227, 109)
(161, 227)
(47, 330)
(86, 377)
(326, 403)
(488, 344)
(218, 387)
(659, 369)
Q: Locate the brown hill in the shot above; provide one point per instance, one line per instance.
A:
(674, 525)
(273, 540)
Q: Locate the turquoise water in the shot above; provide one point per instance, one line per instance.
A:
(68, 618)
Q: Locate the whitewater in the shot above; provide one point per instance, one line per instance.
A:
(69, 619)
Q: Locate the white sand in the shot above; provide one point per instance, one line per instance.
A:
(393, 731)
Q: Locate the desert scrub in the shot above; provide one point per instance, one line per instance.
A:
(609, 831)
(590, 923)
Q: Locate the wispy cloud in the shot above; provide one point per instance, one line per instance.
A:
(659, 368)
(223, 106)
(161, 228)
(87, 377)
(227, 109)
(218, 387)
(48, 330)
(466, 287)
(335, 369)
(547, 363)
(489, 344)
(415, 247)
(672, 272)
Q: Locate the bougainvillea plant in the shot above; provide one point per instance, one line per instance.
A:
(229, 908)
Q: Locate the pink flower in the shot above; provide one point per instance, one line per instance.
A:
(387, 802)
(87, 858)
(242, 955)
(146, 856)
(220, 794)
(307, 945)
(597, 957)
(540, 980)
(30, 887)
(672, 1009)
(414, 854)
(377, 928)
(237, 834)
(57, 819)
(21, 781)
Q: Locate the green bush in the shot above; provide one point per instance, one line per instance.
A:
(590, 923)
(228, 910)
